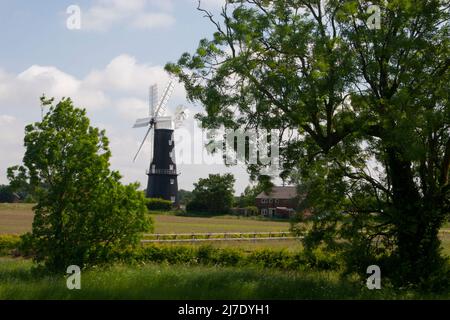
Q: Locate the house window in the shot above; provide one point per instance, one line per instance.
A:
(264, 212)
(263, 200)
(172, 181)
(270, 200)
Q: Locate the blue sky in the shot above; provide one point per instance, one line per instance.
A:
(105, 67)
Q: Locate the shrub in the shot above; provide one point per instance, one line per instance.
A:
(8, 243)
(196, 207)
(209, 255)
(156, 204)
(279, 259)
(169, 254)
(322, 259)
(252, 210)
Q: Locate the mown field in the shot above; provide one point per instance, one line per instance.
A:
(18, 218)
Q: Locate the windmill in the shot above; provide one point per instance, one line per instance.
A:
(162, 174)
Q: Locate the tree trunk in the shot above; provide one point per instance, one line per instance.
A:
(415, 221)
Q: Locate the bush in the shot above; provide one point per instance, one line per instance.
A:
(209, 255)
(279, 259)
(8, 244)
(6, 194)
(252, 210)
(196, 207)
(156, 204)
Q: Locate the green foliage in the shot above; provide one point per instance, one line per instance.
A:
(8, 243)
(155, 204)
(7, 194)
(367, 111)
(213, 195)
(248, 198)
(184, 197)
(160, 281)
(252, 210)
(83, 212)
(209, 255)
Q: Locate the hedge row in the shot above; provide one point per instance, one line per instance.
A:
(205, 255)
(9, 244)
(156, 204)
(208, 255)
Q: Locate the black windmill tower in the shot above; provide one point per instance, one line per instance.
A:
(162, 173)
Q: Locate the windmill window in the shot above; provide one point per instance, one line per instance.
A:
(170, 142)
(172, 181)
(172, 198)
(171, 167)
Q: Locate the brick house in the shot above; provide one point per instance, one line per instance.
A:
(279, 202)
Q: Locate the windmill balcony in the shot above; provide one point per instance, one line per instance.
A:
(162, 171)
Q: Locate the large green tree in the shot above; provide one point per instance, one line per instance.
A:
(214, 194)
(83, 212)
(363, 114)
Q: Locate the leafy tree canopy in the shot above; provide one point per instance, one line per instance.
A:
(214, 194)
(363, 114)
(83, 212)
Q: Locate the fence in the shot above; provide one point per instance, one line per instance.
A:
(224, 236)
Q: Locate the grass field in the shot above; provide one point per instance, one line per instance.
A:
(161, 281)
(187, 282)
(17, 219)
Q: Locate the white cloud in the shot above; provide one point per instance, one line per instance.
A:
(132, 108)
(11, 143)
(125, 75)
(25, 88)
(104, 14)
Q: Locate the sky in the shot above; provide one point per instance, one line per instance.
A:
(106, 66)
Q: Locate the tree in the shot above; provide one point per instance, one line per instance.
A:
(6, 194)
(184, 196)
(83, 212)
(248, 198)
(214, 194)
(366, 109)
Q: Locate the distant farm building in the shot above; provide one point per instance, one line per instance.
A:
(280, 202)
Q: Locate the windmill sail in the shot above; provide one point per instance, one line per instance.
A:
(153, 99)
(161, 110)
(143, 141)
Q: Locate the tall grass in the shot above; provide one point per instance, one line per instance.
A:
(161, 281)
